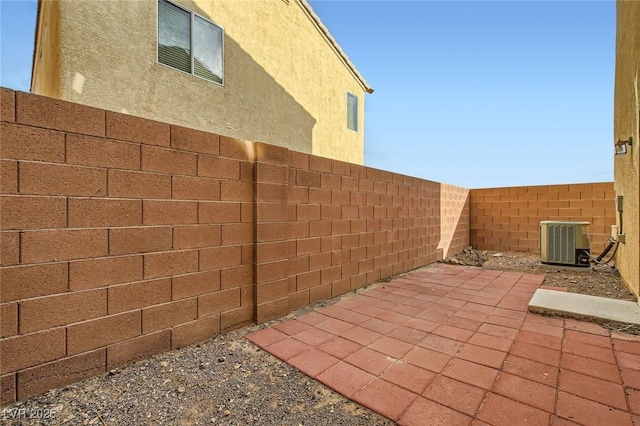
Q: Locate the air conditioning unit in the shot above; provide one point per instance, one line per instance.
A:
(565, 243)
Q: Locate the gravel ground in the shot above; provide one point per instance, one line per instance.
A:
(229, 381)
(223, 381)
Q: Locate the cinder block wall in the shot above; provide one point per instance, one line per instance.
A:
(326, 227)
(509, 218)
(123, 237)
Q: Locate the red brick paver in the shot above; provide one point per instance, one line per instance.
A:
(526, 391)
(449, 345)
(345, 378)
(457, 395)
(500, 411)
(408, 376)
(385, 398)
(424, 411)
(287, 348)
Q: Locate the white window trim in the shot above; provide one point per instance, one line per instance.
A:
(190, 41)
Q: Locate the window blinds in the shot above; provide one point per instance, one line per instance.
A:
(207, 50)
(189, 42)
(174, 36)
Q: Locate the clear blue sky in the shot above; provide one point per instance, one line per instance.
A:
(477, 94)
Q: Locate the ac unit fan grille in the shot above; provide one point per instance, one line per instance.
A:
(561, 244)
(565, 243)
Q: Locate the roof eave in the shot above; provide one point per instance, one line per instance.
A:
(35, 43)
(334, 44)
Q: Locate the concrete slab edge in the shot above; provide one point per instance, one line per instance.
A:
(580, 306)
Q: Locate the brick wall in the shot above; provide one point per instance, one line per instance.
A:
(509, 218)
(454, 216)
(325, 227)
(122, 237)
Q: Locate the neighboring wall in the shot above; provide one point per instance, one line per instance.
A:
(123, 237)
(509, 218)
(626, 125)
(284, 84)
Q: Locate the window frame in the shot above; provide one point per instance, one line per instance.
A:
(356, 121)
(192, 21)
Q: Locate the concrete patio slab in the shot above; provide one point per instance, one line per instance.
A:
(451, 345)
(584, 306)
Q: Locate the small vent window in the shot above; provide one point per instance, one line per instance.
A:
(189, 43)
(352, 112)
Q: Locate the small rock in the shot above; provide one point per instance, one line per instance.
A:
(226, 413)
(221, 359)
(497, 255)
(164, 364)
(181, 389)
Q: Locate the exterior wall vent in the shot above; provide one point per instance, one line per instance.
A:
(565, 243)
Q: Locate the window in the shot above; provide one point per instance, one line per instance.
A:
(352, 112)
(189, 43)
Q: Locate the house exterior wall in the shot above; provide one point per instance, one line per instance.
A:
(627, 124)
(123, 237)
(284, 83)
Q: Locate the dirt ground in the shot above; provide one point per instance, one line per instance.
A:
(226, 380)
(599, 280)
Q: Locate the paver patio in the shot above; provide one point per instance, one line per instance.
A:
(450, 345)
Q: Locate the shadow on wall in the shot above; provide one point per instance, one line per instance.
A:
(265, 111)
(251, 105)
(261, 110)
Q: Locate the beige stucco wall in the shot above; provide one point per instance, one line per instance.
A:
(284, 83)
(46, 75)
(626, 124)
